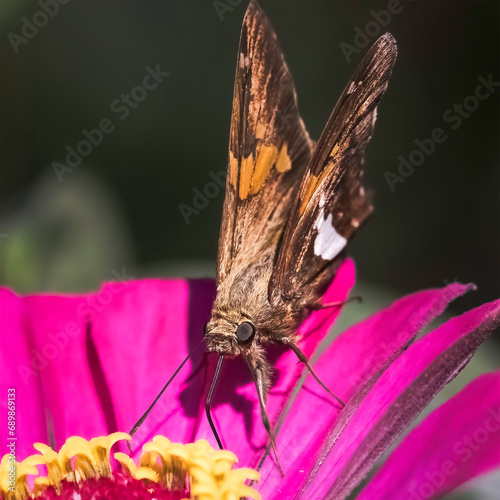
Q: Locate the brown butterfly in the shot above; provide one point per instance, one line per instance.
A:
(291, 205)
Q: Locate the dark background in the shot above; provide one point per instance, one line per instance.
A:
(120, 207)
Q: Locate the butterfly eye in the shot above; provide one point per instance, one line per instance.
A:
(245, 332)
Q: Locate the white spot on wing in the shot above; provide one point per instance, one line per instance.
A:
(328, 243)
(244, 61)
(322, 201)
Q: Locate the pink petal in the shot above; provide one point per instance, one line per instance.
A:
(455, 443)
(14, 357)
(44, 358)
(402, 391)
(142, 337)
(102, 358)
(353, 362)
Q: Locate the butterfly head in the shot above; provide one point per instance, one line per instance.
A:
(229, 338)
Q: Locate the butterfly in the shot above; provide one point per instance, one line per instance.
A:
(291, 204)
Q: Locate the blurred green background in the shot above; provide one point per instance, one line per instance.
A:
(120, 207)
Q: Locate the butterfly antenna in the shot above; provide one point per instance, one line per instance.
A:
(208, 402)
(148, 411)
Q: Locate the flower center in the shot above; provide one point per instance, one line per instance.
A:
(83, 470)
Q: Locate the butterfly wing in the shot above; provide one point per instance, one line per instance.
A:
(331, 202)
(269, 148)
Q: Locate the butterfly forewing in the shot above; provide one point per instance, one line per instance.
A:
(269, 148)
(331, 202)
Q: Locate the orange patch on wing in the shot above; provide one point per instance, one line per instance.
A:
(334, 150)
(309, 191)
(233, 170)
(326, 172)
(313, 183)
(254, 172)
(246, 173)
(260, 130)
(265, 161)
(283, 163)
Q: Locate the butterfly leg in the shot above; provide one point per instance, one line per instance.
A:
(340, 302)
(302, 357)
(259, 378)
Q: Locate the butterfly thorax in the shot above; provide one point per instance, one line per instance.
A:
(243, 297)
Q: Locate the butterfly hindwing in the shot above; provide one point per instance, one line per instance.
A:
(269, 148)
(331, 202)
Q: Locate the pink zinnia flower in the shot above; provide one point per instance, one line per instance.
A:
(89, 365)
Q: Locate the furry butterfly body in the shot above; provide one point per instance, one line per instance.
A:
(291, 205)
